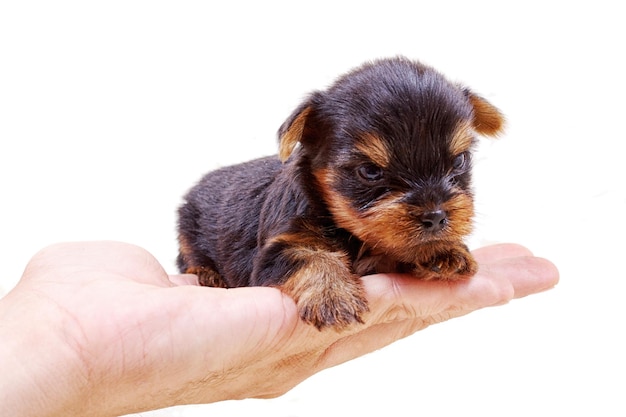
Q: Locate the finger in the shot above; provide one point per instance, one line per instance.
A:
(499, 282)
(368, 339)
(395, 297)
(499, 251)
(399, 297)
(402, 305)
(527, 275)
(505, 279)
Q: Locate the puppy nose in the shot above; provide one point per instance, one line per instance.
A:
(433, 221)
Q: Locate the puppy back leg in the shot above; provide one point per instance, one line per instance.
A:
(191, 261)
(207, 276)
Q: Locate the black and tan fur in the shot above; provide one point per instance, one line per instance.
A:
(373, 175)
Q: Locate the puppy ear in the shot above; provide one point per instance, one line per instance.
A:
(290, 133)
(488, 120)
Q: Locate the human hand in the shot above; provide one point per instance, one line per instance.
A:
(101, 329)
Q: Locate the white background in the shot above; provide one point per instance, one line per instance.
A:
(110, 111)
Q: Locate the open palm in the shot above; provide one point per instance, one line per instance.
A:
(107, 331)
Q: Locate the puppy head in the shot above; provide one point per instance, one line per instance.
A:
(389, 148)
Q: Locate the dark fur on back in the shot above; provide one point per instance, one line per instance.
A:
(232, 211)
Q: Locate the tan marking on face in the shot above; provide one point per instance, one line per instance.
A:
(374, 148)
(387, 227)
(462, 138)
(460, 209)
(391, 226)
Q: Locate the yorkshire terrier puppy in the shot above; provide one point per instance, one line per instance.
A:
(372, 176)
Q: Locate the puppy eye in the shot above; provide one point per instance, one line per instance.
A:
(370, 173)
(459, 162)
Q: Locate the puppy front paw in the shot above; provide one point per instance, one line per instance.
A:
(327, 294)
(450, 264)
(332, 309)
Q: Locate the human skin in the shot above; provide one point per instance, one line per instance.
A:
(100, 329)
